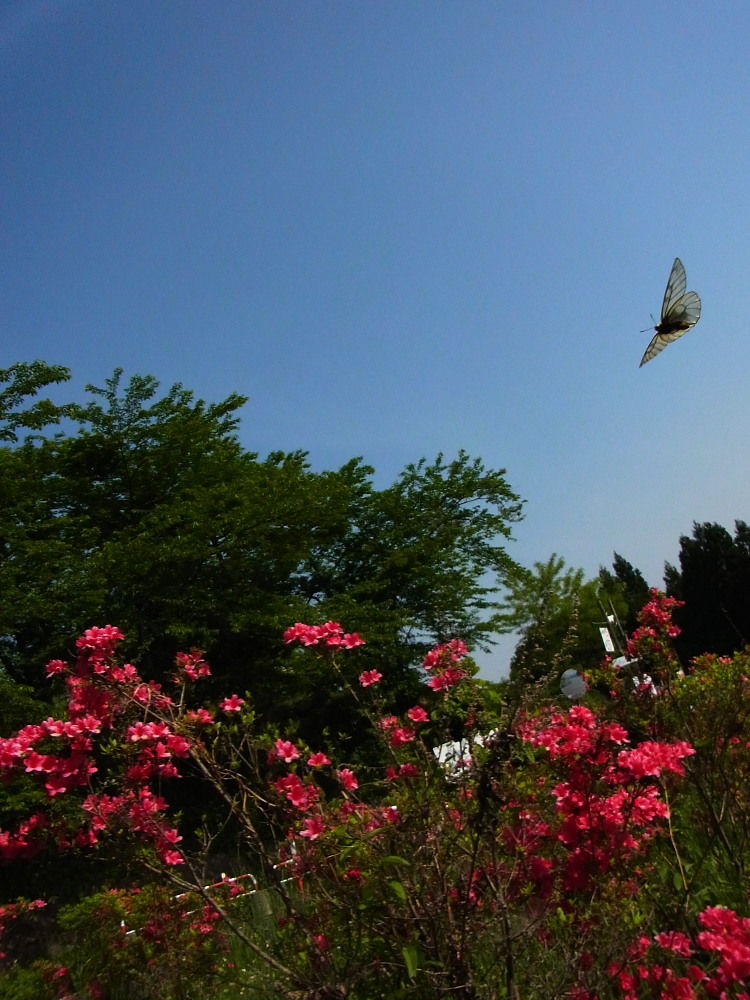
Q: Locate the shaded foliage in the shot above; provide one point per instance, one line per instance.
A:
(559, 614)
(713, 580)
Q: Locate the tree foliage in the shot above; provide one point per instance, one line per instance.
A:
(558, 614)
(148, 512)
(634, 589)
(714, 582)
(25, 379)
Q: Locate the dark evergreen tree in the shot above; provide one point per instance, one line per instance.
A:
(634, 590)
(714, 582)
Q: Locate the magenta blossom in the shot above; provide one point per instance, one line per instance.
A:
(331, 634)
(314, 827)
(233, 704)
(400, 735)
(347, 779)
(351, 639)
(286, 751)
(368, 677)
(418, 714)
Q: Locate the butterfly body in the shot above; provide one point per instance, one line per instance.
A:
(680, 312)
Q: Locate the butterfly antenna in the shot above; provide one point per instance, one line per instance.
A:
(650, 327)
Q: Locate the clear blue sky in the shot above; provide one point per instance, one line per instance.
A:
(402, 227)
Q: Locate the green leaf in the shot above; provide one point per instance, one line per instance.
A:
(398, 890)
(411, 958)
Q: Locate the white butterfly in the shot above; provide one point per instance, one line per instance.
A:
(680, 311)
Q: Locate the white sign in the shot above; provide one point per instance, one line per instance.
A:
(607, 640)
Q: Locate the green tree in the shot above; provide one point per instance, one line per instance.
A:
(634, 589)
(25, 379)
(20, 482)
(542, 604)
(153, 517)
(714, 582)
(559, 614)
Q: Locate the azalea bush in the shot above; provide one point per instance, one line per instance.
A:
(706, 704)
(545, 850)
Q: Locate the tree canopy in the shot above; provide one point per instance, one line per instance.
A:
(145, 511)
(713, 580)
(558, 613)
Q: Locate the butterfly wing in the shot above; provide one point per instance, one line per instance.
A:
(682, 314)
(680, 311)
(658, 343)
(675, 287)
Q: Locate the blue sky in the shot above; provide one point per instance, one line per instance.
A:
(402, 228)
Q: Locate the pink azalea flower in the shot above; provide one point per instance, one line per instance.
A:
(318, 759)
(178, 745)
(368, 677)
(294, 632)
(286, 751)
(351, 639)
(408, 770)
(400, 735)
(418, 714)
(55, 727)
(314, 827)
(431, 659)
(347, 779)
(138, 731)
(232, 704)
(39, 762)
(200, 715)
(56, 785)
(449, 677)
(312, 636)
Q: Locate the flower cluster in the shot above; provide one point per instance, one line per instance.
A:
(656, 627)
(396, 734)
(443, 663)
(550, 829)
(653, 970)
(192, 666)
(300, 788)
(657, 613)
(62, 752)
(12, 911)
(607, 808)
(729, 936)
(330, 634)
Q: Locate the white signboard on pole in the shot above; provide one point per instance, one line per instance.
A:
(607, 640)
